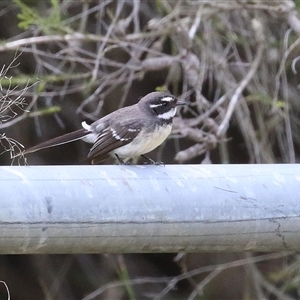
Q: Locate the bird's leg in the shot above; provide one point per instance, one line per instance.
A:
(121, 162)
(151, 161)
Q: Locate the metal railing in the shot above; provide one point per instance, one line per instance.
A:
(172, 208)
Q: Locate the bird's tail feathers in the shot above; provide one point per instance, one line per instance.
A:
(60, 140)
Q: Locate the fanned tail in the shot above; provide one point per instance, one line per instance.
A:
(60, 140)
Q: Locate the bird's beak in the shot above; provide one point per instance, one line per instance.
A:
(180, 102)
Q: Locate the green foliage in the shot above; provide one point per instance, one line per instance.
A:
(288, 278)
(46, 111)
(265, 99)
(22, 80)
(48, 24)
(159, 7)
(124, 276)
(161, 89)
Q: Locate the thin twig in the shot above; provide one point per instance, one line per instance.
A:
(240, 88)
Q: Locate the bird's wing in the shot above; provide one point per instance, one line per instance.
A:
(113, 137)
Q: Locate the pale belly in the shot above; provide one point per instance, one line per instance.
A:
(144, 144)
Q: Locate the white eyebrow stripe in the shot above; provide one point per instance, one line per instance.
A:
(167, 99)
(168, 115)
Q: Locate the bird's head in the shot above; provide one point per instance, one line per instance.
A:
(161, 105)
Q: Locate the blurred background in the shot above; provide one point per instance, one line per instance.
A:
(236, 63)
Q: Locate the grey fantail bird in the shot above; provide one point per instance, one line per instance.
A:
(126, 133)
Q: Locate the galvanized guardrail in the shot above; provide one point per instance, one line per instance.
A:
(93, 209)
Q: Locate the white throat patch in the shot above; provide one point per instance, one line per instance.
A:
(167, 99)
(169, 114)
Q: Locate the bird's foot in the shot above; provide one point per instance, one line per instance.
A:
(127, 163)
(150, 161)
